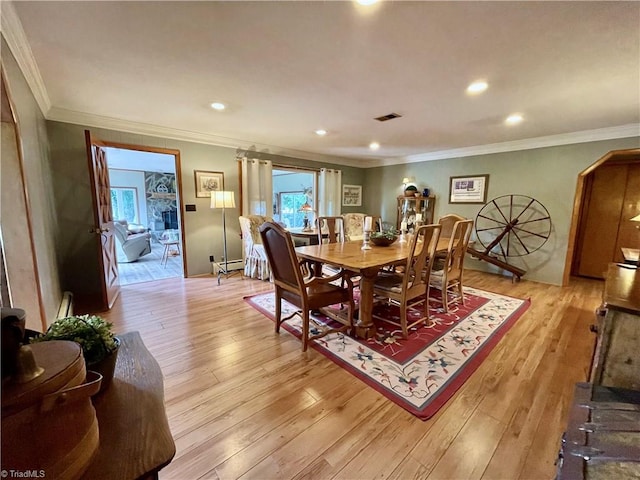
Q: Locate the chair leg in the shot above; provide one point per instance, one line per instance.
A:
(278, 312)
(305, 329)
(460, 292)
(403, 320)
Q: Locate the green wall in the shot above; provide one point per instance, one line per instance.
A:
(38, 184)
(547, 174)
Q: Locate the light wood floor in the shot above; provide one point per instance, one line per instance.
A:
(244, 402)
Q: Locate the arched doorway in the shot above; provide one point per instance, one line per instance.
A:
(607, 197)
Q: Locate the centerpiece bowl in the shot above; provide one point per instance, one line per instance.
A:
(383, 239)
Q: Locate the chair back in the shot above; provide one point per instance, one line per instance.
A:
(458, 243)
(278, 246)
(422, 250)
(333, 227)
(354, 225)
(447, 222)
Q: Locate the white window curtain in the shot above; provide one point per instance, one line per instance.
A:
(257, 187)
(329, 192)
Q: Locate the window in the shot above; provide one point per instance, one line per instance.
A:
(291, 188)
(289, 204)
(124, 204)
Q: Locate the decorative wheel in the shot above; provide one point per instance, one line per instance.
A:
(513, 225)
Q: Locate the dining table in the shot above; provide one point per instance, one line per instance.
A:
(365, 263)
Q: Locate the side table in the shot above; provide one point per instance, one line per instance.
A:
(135, 440)
(167, 249)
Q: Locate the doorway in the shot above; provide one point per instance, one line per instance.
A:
(145, 206)
(607, 198)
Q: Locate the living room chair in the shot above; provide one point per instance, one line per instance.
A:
(449, 278)
(307, 294)
(411, 287)
(130, 246)
(256, 264)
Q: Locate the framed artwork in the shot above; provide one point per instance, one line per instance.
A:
(351, 195)
(468, 189)
(207, 182)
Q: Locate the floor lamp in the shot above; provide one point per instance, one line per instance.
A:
(222, 199)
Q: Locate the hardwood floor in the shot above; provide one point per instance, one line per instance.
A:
(244, 402)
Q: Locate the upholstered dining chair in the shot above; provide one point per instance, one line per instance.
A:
(411, 287)
(307, 294)
(256, 264)
(354, 225)
(449, 278)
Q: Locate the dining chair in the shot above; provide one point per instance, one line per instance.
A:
(354, 225)
(307, 294)
(449, 278)
(330, 229)
(447, 222)
(411, 287)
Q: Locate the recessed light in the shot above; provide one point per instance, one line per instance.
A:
(476, 87)
(366, 2)
(374, 145)
(321, 132)
(217, 106)
(513, 119)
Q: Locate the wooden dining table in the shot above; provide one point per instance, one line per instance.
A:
(366, 263)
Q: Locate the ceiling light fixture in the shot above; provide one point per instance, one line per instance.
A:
(366, 2)
(476, 87)
(514, 119)
(374, 145)
(217, 106)
(321, 132)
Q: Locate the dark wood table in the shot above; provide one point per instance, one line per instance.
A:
(135, 440)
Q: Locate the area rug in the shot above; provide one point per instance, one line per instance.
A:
(423, 372)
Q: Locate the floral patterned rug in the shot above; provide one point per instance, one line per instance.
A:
(423, 372)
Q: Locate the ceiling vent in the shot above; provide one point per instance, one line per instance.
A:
(390, 116)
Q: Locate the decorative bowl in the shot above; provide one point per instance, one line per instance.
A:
(382, 239)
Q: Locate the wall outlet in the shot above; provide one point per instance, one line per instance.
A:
(211, 258)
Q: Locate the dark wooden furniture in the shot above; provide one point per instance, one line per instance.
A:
(616, 361)
(408, 207)
(135, 440)
(602, 440)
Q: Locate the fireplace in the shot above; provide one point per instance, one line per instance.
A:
(170, 219)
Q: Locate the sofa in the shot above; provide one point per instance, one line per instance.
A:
(132, 241)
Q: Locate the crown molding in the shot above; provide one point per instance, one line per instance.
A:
(17, 40)
(110, 123)
(609, 133)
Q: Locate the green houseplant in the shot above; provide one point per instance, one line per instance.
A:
(95, 337)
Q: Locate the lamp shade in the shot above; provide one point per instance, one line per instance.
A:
(222, 199)
(305, 207)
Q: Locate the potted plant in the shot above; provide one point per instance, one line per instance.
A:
(99, 344)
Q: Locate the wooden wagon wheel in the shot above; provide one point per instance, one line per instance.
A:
(512, 226)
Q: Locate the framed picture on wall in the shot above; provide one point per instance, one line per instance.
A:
(468, 189)
(351, 195)
(207, 182)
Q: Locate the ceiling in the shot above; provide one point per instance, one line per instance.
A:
(286, 69)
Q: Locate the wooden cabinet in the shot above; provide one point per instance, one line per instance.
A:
(616, 361)
(409, 207)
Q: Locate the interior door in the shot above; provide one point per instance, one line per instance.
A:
(103, 221)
